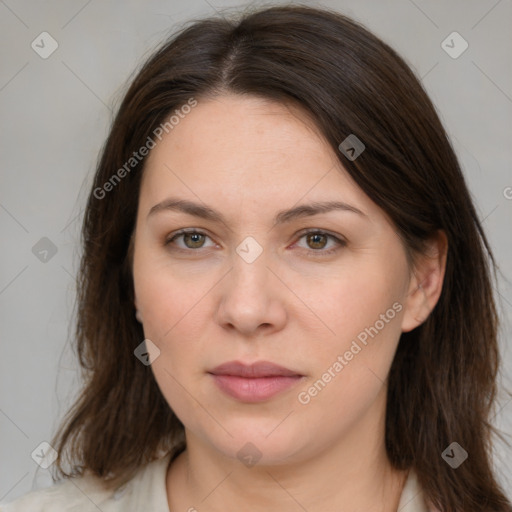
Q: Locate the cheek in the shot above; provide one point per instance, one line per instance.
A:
(174, 321)
(350, 373)
(167, 298)
(176, 313)
(179, 388)
(358, 297)
(363, 310)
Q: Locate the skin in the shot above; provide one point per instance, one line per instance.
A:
(204, 305)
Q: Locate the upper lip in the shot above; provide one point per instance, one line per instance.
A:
(254, 370)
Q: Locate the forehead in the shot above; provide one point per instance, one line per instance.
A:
(241, 131)
(242, 149)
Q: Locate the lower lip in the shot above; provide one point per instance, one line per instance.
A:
(254, 389)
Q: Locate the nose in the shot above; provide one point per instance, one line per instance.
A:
(252, 298)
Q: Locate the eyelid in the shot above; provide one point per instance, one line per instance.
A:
(312, 231)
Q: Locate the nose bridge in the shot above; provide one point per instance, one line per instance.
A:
(249, 297)
(250, 267)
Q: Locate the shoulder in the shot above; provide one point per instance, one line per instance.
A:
(80, 493)
(412, 498)
(89, 493)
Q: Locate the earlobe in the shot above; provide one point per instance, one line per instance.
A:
(426, 283)
(416, 307)
(138, 315)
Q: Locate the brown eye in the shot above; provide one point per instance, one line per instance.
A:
(190, 240)
(316, 240)
(319, 243)
(193, 240)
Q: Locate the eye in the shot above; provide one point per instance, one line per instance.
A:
(192, 239)
(317, 241)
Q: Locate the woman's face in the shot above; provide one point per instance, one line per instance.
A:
(255, 286)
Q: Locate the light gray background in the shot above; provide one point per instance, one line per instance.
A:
(55, 114)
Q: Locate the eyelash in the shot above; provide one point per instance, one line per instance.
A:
(318, 252)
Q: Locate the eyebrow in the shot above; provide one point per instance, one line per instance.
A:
(282, 217)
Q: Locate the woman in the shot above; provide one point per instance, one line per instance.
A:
(285, 295)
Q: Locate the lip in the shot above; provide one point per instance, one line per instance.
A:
(255, 382)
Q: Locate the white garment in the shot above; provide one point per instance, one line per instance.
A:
(146, 491)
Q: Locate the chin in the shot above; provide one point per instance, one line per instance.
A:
(252, 444)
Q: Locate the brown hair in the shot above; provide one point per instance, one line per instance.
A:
(442, 383)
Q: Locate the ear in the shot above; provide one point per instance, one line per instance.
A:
(426, 282)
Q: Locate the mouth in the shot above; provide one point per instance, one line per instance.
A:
(255, 382)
